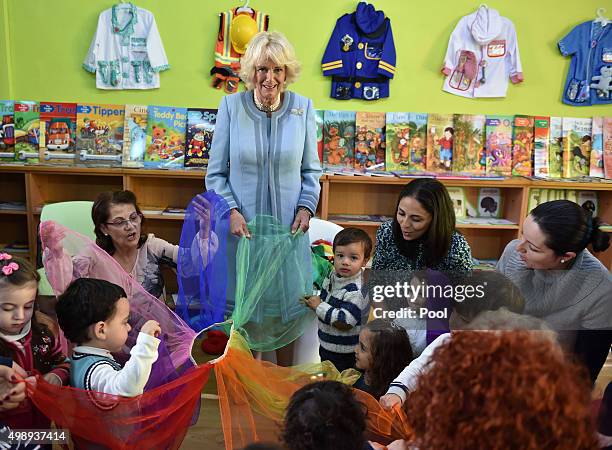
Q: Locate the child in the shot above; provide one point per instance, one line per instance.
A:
(325, 415)
(341, 305)
(94, 315)
(382, 353)
(28, 338)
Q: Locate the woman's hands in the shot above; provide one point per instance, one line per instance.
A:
(301, 221)
(238, 226)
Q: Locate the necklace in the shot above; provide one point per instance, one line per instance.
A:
(266, 108)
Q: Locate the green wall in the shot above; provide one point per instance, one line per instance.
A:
(48, 41)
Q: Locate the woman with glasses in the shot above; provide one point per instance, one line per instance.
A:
(118, 227)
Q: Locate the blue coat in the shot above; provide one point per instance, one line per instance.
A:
(264, 165)
(360, 55)
(590, 46)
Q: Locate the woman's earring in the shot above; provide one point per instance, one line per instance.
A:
(562, 261)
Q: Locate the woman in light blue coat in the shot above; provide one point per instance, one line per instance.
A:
(263, 158)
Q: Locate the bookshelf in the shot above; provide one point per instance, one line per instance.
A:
(35, 186)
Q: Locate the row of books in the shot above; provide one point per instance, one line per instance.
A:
(105, 135)
(466, 144)
(370, 143)
(586, 199)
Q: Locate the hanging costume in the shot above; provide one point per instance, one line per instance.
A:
(589, 78)
(126, 52)
(227, 60)
(482, 54)
(360, 55)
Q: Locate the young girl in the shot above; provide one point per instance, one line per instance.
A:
(29, 338)
(382, 353)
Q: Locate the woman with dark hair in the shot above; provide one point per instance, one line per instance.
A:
(118, 225)
(562, 282)
(422, 233)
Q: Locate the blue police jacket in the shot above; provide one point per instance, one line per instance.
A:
(589, 78)
(360, 55)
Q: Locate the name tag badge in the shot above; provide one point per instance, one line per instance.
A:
(495, 49)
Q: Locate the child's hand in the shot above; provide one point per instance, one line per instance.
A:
(389, 401)
(311, 301)
(51, 239)
(151, 327)
(53, 379)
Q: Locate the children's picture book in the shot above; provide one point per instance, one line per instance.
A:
(370, 140)
(339, 140)
(499, 145)
(134, 135)
(200, 129)
(522, 145)
(27, 131)
(489, 202)
(99, 139)
(166, 127)
(607, 146)
(555, 148)
(319, 123)
(576, 147)
(469, 155)
(418, 142)
(7, 131)
(541, 133)
(596, 168)
(440, 133)
(457, 195)
(57, 133)
(398, 141)
(588, 200)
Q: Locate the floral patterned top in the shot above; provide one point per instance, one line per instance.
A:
(388, 257)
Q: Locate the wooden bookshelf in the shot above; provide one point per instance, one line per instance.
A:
(340, 195)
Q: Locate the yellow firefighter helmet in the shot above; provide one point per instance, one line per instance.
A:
(242, 29)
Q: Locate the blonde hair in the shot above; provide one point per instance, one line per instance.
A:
(269, 45)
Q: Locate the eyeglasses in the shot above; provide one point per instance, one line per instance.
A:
(134, 219)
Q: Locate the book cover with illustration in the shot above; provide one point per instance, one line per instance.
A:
(596, 168)
(7, 131)
(607, 146)
(99, 134)
(457, 196)
(370, 140)
(319, 123)
(200, 129)
(522, 146)
(440, 133)
(339, 140)
(588, 200)
(489, 202)
(166, 127)
(469, 154)
(499, 145)
(58, 133)
(555, 148)
(418, 142)
(134, 135)
(398, 141)
(541, 135)
(27, 131)
(576, 147)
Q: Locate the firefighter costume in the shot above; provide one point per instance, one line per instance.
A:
(360, 55)
(228, 50)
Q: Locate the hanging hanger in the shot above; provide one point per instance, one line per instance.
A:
(601, 18)
(245, 8)
(483, 5)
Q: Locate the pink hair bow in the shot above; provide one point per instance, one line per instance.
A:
(10, 268)
(5, 256)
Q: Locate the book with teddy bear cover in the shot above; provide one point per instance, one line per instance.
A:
(165, 147)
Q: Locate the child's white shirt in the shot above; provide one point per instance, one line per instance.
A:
(132, 378)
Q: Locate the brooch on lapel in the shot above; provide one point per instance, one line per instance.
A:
(297, 111)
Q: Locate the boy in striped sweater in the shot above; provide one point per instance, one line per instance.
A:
(341, 304)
